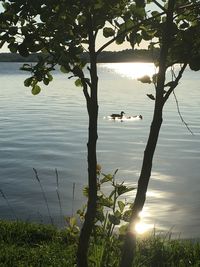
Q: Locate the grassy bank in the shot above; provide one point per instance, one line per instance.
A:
(25, 244)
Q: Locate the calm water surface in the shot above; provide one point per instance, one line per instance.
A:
(49, 132)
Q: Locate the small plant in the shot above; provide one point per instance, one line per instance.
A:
(112, 216)
(112, 208)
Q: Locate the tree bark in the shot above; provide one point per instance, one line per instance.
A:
(130, 239)
(129, 247)
(92, 108)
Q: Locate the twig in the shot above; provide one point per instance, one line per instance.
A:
(175, 82)
(8, 204)
(44, 195)
(181, 117)
(160, 6)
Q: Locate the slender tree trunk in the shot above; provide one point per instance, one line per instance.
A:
(129, 247)
(92, 108)
(130, 240)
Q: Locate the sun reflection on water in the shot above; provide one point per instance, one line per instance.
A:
(132, 70)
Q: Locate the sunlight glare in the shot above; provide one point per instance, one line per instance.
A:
(141, 227)
(132, 70)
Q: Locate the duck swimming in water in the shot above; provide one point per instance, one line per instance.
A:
(138, 117)
(117, 116)
(121, 117)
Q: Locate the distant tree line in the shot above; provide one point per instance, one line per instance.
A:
(128, 55)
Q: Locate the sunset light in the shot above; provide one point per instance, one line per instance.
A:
(142, 227)
(132, 70)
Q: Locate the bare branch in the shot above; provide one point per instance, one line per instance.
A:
(175, 83)
(181, 117)
(159, 5)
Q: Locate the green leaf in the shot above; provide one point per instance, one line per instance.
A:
(106, 178)
(122, 189)
(100, 215)
(120, 39)
(13, 30)
(114, 219)
(112, 193)
(129, 24)
(28, 82)
(72, 221)
(36, 90)
(23, 51)
(127, 215)
(154, 13)
(46, 81)
(64, 70)
(146, 36)
(13, 47)
(194, 63)
(50, 77)
(121, 205)
(104, 201)
(152, 97)
(118, 214)
(140, 3)
(108, 32)
(78, 83)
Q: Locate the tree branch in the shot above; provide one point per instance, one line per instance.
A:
(181, 117)
(143, 21)
(85, 89)
(126, 31)
(159, 5)
(175, 83)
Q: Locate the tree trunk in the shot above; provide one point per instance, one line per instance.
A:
(92, 108)
(130, 239)
(92, 197)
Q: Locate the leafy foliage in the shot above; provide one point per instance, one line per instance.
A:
(113, 211)
(61, 29)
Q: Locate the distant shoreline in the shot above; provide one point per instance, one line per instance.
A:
(128, 55)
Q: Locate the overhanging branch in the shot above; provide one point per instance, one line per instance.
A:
(189, 6)
(181, 117)
(175, 83)
(126, 31)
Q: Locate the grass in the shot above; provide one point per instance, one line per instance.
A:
(27, 244)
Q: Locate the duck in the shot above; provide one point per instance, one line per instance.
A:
(117, 116)
(138, 117)
(129, 118)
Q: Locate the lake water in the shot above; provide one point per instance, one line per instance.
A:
(49, 131)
